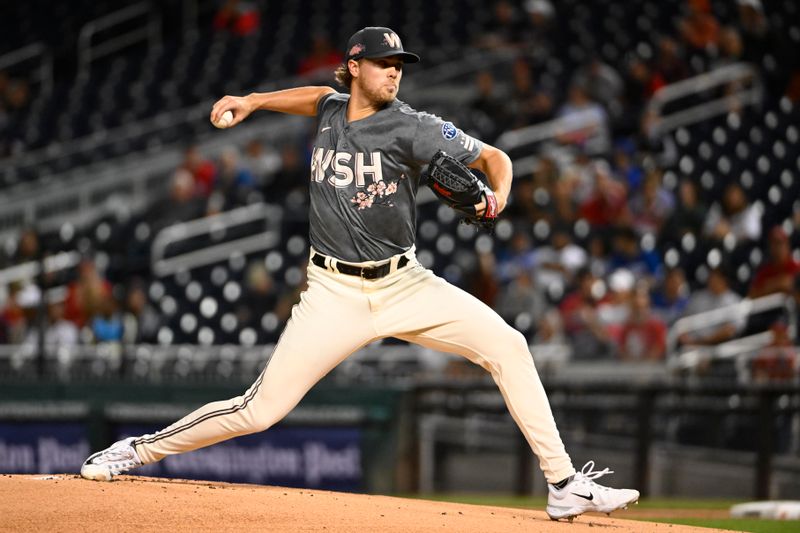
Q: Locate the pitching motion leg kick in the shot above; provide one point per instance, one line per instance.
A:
(340, 313)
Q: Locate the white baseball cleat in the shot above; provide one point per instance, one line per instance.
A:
(583, 495)
(114, 460)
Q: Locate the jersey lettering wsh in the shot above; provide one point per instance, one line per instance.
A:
(365, 175)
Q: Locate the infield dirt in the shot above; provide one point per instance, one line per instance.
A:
(132, 503)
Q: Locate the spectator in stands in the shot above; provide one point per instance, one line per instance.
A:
(293, 173)
(715, 295)
(582, 324)
(661, 147)
(482, 281)
(520, 256)
(106, 325)
(652, 204)
(490, 111)
(529, 102)
(290, 295)
(203, 171)
(262, 161)
(85, 295)
(321, 60)
(234, 181)
(585, 123)
(687, 218)
(27, 248)
(627, 253)
(140, 321)
(603, 84)
(522, 206)
(626, 167)
(539, 35)
(558, 261)
(522, 297)
(730, 47)
(777, 361)
(239, 18)
(767, 47)
(640, 85)
(780, 272)
(60, 332)
(671, 296)
(503, 30)
(17, 94)
(598, 259)
(607, 205)
(259, 298)
(550, 332)
(181, 205)
(733, 215)
(13, 316)
(699, 28)
(669, 65)
(614, 308)
(644, 334)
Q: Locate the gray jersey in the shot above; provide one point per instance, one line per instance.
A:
(365, 176)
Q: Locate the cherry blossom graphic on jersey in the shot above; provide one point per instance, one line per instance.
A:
(376, 194)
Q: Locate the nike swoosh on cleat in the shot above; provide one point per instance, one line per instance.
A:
(326, 128)
(590, 497)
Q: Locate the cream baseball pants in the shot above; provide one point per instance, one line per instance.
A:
(337, 315)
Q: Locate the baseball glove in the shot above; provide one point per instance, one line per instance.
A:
(458, 187)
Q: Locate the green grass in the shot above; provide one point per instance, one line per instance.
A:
(533, 503)
(735, 524)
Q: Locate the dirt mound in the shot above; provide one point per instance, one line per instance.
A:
(69, 503)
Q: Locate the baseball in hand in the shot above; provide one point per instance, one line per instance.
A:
(224, 121)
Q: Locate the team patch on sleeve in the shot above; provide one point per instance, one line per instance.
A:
(449, 131)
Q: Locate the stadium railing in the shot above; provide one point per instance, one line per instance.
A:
(42, 74)
(148, 30)
(215, 225)
(691, 357)
(743, 79)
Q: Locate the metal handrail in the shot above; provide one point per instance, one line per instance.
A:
(513, 139)
(151, 32)
(211, 254)
(696, 84)
(32, 51)
(29, 270)
(722, 315)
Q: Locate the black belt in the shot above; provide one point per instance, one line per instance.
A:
(375, 272)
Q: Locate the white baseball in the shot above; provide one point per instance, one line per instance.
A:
(224, 121)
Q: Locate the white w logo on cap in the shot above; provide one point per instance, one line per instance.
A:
(392, 40)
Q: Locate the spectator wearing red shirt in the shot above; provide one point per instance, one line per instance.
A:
(203, 170)
(85, 296)
(321, 60)
(779, 272)
(239, 18)
(607, 205)
(582, 324)
(644, 335)
(699, 28)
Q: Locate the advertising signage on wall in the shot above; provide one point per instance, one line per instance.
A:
(42, 447)
(320, 457)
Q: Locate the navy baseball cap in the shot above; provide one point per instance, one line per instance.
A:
(376, 41)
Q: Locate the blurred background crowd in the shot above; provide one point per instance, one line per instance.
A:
(613, 233)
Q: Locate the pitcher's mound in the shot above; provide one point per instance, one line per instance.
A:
(132, 503)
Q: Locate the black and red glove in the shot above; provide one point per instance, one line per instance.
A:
(457, 186)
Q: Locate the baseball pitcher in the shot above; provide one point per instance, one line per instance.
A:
(364, 281)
